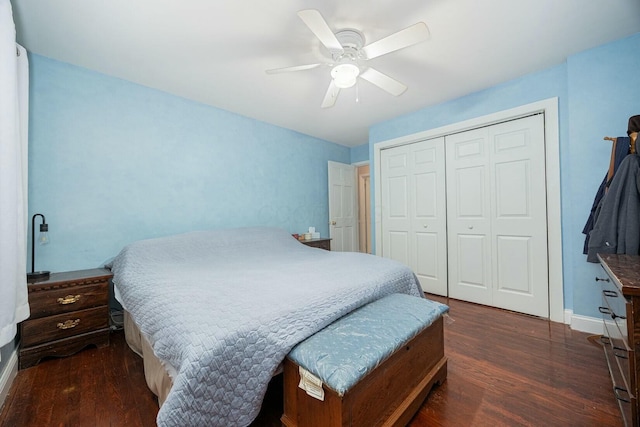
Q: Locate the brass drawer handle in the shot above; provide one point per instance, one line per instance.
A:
(69, 299)
(68, 324)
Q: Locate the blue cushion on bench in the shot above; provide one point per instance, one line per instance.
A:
(352, 346)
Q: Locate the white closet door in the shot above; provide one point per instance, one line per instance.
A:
(519, 220)
(396, 222)
(429, 216)
(496, 216)
(414, 211)
(468, 216)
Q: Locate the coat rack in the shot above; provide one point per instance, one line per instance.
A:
(632, 143)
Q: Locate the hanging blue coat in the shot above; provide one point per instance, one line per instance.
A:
(620, 152)
(617, 222)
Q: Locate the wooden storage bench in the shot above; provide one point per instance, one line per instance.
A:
(374, 366)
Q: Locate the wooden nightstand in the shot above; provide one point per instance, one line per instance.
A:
(69, 311)
(322, 243)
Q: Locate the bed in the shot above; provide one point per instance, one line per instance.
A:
(219, 310)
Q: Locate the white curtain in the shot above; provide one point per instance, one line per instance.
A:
(14, 108)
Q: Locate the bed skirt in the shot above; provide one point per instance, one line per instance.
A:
(157, 376)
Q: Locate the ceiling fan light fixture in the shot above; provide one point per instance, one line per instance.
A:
(345, 75)
(348, 52)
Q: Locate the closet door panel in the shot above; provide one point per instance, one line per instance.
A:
(471, 200)
(473, 273)
(428, 218)
(514, 265)
(426, 196)
(468, 216)
(398, 246)
(414, 210)
(396, 216)
(519, 216)
(427, 244)
(471, 147)
(398, 200)
(427, 257)
(512, 190)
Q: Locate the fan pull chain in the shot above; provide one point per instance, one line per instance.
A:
(357, 92)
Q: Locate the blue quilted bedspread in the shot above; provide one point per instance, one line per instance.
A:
(223, 308)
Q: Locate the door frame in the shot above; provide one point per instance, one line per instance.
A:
(364, 208)
(552, 167)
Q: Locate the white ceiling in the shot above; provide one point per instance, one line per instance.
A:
(216, 52)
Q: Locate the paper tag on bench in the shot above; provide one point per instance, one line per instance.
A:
(311, 384)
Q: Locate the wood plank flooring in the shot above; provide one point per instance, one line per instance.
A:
(505, 369)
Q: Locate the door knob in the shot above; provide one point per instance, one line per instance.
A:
(471, 227)
(332, 222)
(425, 226)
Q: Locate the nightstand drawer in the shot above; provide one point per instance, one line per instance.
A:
(621, 385)
(57, 301)
(37, 331)
(615, 309)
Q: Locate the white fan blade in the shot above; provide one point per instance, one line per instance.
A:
(383, 81)
(320, 28)
(396, 41)
(331, 95)
(295, 68)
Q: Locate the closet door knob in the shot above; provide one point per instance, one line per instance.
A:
(471, 227)
(425, 226)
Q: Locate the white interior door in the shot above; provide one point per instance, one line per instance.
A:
(343, 207)
(496, 216)
(414, 211)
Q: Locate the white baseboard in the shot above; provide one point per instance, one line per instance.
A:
(8, 375)
(592, 325)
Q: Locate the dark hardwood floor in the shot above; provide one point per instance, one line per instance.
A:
(505, 369)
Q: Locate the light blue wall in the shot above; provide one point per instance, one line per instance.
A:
(111, 162)
(360, 153)
(598, 90)
(604, 91)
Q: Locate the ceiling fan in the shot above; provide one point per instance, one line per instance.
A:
(349, 53)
